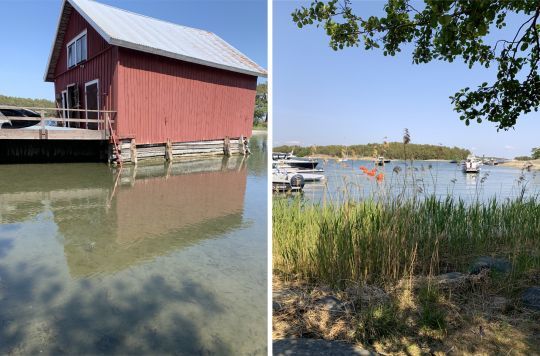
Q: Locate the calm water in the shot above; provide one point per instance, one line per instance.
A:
(423, 178)
(158, 259)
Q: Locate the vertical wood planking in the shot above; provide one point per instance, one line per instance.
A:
(169, 99)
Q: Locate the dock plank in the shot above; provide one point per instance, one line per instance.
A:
(75, 134)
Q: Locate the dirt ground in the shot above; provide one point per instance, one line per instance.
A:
(470, 317)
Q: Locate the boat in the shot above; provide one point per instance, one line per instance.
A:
(379, 161)
(290, 160)
(471, 165)
(283, 181)
(310, 175)
(453, 161)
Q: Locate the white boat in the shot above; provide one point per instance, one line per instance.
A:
(380, 161)
(309, 175)
(291, 160)
(283, 181)
(471, 165)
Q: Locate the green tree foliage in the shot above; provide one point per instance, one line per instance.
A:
(26, 102)
(391, 150)
(448, 30)
(536, 153)
(523, 158)
(261, 104)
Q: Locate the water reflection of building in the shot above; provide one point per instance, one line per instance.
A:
(118, 219)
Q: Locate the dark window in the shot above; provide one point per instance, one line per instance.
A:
(77, 50)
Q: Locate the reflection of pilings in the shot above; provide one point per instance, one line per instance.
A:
(128, 174)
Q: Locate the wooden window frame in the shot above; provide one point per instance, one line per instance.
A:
(73, 43)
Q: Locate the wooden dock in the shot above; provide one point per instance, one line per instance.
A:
(94, 137)
(64, 128)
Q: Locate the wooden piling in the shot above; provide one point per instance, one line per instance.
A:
(133, 149)
(227, 146)
(169, 151)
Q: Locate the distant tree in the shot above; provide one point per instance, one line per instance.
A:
(536, 153)
(447, 30)
(15, 101)
(261, 104)
(392, 150)
(523, 158)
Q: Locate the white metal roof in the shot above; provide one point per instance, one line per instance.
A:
(127, 29)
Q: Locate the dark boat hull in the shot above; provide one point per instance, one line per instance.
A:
(305, 165)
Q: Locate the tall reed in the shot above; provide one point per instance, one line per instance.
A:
(384, 241)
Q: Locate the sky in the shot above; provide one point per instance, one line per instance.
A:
(355, 96)
(28, 28)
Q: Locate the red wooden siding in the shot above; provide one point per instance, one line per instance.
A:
(158, 98)
(96, 43)
(101, 64)
(161, 98)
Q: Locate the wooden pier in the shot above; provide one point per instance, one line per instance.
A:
(64, 128)
(65, 137)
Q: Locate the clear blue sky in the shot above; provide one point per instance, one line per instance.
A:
(354, 97)
(28, 28)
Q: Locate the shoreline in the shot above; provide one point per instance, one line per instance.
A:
(373, 159)
(535, 164)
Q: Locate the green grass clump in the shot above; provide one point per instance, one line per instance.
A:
(378, 242)
(432, 316)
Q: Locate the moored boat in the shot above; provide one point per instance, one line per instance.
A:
(289, 159)
(283, 181)
(380, 161)
(471, 165)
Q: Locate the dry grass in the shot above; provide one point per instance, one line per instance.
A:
(414, 317)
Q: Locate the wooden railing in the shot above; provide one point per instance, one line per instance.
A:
(104, 122)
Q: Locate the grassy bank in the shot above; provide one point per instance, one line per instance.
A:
(383, 263)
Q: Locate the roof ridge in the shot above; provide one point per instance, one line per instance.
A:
(146, 16)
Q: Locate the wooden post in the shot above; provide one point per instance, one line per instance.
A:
(133, 148)
(246, 146)
(168, 151)
(42, 133)
(227, 146)
(106, 129)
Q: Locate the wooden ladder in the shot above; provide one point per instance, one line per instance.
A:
(114, 141)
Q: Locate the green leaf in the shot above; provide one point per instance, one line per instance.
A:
(445, 19)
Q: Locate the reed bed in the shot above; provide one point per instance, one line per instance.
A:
(384, 241)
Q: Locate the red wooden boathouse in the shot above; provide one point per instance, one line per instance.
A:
(168, 85)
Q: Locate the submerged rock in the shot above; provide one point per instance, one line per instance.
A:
(531, 297)
(495, 264)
